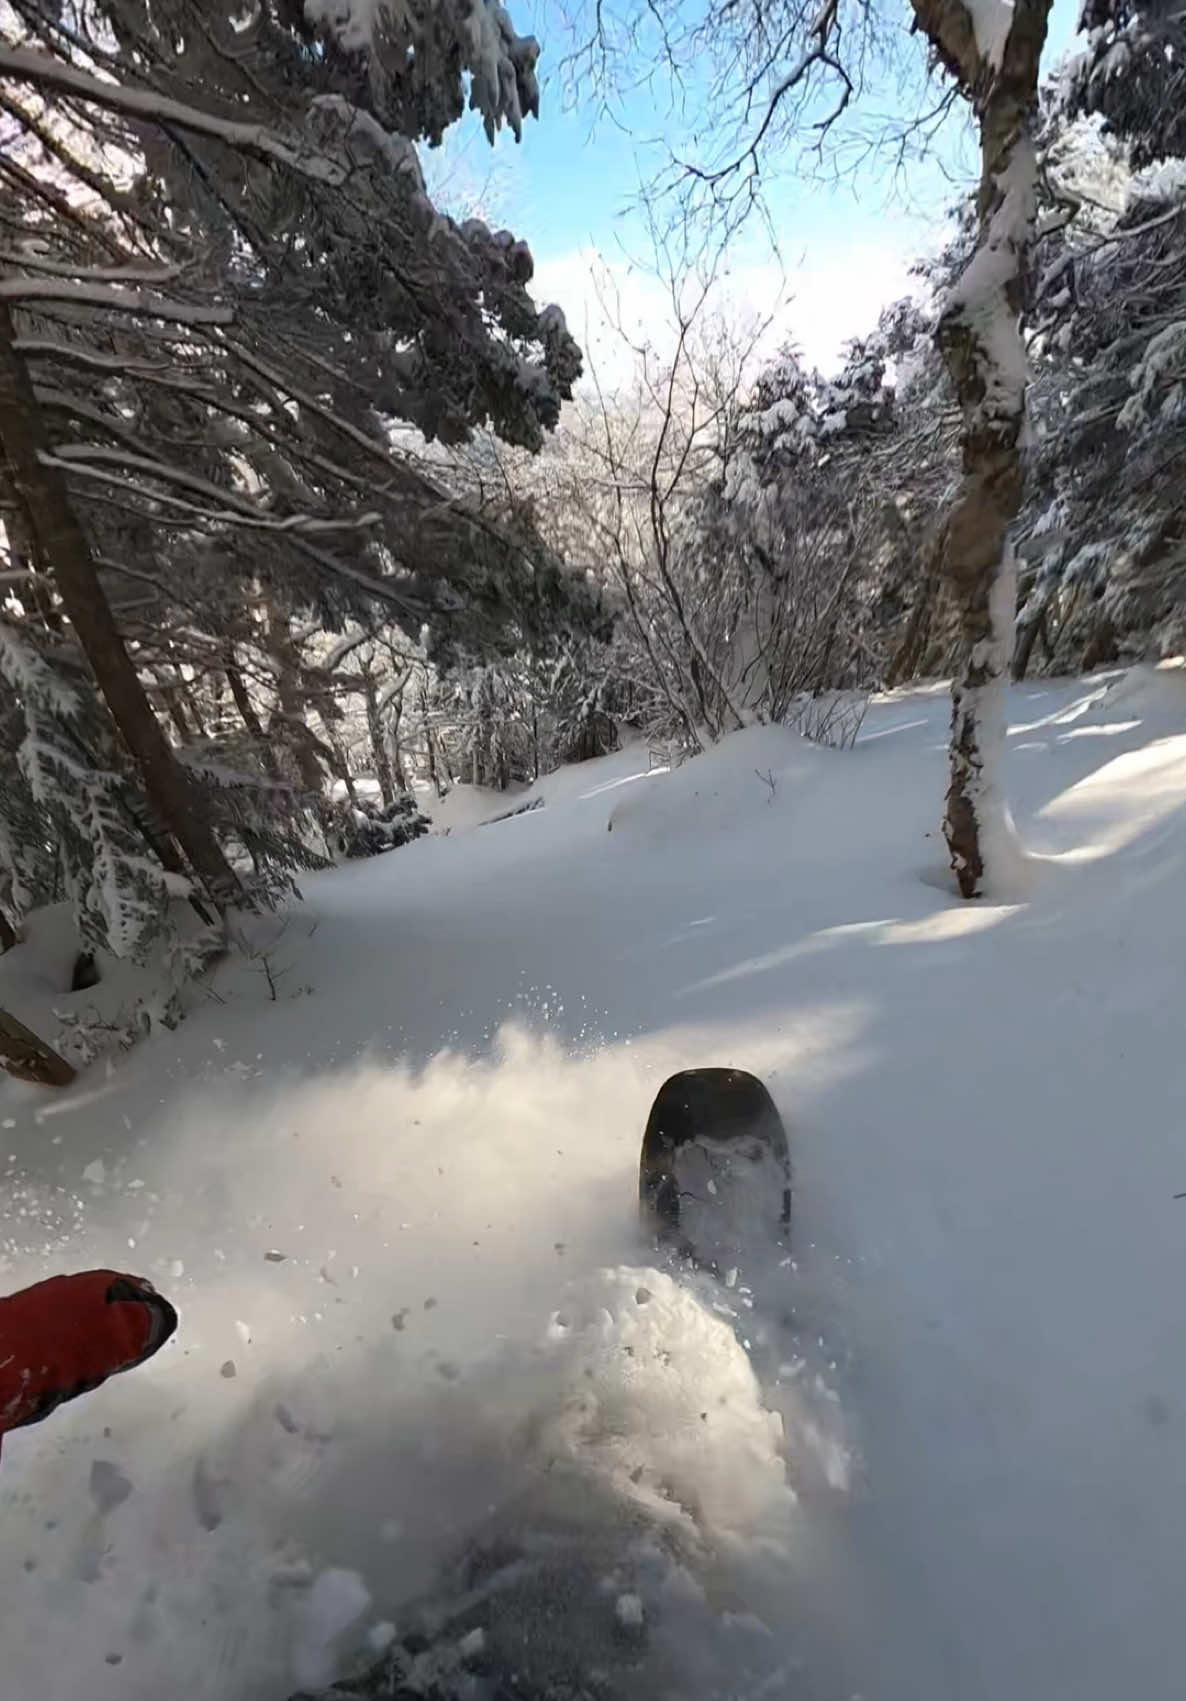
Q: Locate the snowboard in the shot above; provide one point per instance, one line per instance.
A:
(715, 1168)
(714, 1173)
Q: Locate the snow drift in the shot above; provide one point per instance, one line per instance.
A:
(384, 1203)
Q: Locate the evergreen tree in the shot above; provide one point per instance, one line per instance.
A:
(232, 284)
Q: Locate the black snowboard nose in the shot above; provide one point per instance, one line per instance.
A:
(720, 1105)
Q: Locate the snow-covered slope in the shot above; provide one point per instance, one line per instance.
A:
(369, 1196)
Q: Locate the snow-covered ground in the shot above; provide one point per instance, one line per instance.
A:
(370, 1195)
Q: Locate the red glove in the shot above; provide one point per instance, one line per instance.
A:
(65, 1336)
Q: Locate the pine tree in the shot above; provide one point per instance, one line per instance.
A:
(202, 373)
(1106, 578)
(76, 800)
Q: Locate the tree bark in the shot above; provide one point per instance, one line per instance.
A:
(173, 704)
(392, 745)
(290, 707)
(1101, 648)
(62, 547)
(247, 714)
(187, 701)
(430, 746)
(979, 338)
(430, 755)
(244, 705)
(378, 746)
(905, 660)
(1024, 648)
(340, 766)
(29, 1058)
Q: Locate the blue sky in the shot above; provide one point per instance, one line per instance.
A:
(845, 246)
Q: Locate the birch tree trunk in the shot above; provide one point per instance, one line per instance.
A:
(993, 48)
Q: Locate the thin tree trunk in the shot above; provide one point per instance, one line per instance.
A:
(378, 748)
(980, 340)
(340, 765)
(247, 714)
(431, 751)
(396, 755)
(909, 653)
(305, 747)
(290, 712)
(62, 547)
(1101, 647)
(244, 704)
(392, 746)
(172, 701)
(1024, 648)
(156, 837)
(29, 1058)
(189, 705)
(430, 758)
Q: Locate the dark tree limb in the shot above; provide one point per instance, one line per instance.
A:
(30, 1058)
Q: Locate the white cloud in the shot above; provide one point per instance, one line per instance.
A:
(835, 292)
(838, 292)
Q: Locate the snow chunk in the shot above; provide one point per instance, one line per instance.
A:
(1163, 181)
(354, 23)
(628, 1611)
(363, 141)
(1163, 361)
(338, 1598)
(991, 20)
(634, 1380)
(979, 294)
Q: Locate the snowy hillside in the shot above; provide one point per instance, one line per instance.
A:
(963, 1479)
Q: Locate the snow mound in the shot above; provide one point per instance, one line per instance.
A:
(764, 767)
(125, 1001)
(1150, 691)
(465, 806)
